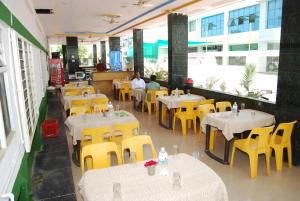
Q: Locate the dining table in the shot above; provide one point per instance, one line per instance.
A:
(197, 182)
(67, 100)
(173, 102)
(77, 123)
(231, 123)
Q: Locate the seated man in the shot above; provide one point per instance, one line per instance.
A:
(152, 85)
(137, 82)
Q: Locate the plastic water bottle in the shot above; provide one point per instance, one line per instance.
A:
(235, 108)
(176, 92)
(110, 108)
(163, 162)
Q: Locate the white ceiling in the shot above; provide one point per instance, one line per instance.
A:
(85, 15)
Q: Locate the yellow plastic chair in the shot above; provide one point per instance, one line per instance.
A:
(88, 90)
(135, 144)
(253, 147)
(190, 114)
(202, 111)
(96, 101)
(94, 135)
(79, 102)
(72, 92)
(98, 108)
(70, 85)
(207, 101)
(99, 155)
(180, 92)
(150, 99)
(80, 110)
(125, 89)
(124, 131)
(160, 93)
(278, 143)
(222, 106)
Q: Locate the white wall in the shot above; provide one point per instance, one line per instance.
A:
(11, 157)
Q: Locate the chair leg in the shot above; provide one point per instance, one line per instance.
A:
(123, 97)
(195, 125)
(129, 96)
(253, 157)
(174, 122)
(149, 108)
(232, 156)
(189, 123)
(212, 139)
(267, 162)
(278, 158)
(143, 106)
(289, 151)
(183, 126)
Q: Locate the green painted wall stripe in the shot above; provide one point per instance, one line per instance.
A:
(13, 22)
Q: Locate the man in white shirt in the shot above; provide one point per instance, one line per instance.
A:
(137, 82)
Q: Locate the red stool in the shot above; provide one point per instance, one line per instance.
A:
(50, 128)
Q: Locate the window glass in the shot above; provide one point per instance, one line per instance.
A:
(243, 47)
(237, 61)
(212, 25)
(244, 19)
(85, 54)
(4, 105)
(274, 13)
(192, 26)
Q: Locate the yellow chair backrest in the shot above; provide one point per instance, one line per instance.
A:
(99, 153)
(287, 129)
(180, 92)
(262, 138)
(125, 87)
(99, 100)
(89, 90)
(95, 135)
(189, 107)
(70, 85)
(99, 108)
(135, 144)
(160, 93)
(207, 101)
(124, 131)
(205, 109)
(72, 92)
(79, 110)
(79, 102)
(223, 106)
(150, 96)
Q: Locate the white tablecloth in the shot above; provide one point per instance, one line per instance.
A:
(80, 83)
(118, 84)
(66, 100)
(230, 124)
(198, 181)
(77, 123)
(174, 102)
(79, 87)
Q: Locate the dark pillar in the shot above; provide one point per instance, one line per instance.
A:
(103, 51)
(72, 55)
(64, 53)
(114, 44)
(288, 88)
(95, 55)
(138, 51)
(177, 50)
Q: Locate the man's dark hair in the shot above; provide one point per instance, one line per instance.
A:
(153, 77)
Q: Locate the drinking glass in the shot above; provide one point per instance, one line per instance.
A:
(243, 106)
(98, 91)
(176, 181)
(117, 194)
(176, 149)
(117, 107)
(252, 113)
(196, 155)
(133, 157)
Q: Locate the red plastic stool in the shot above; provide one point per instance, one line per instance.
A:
(50, 128)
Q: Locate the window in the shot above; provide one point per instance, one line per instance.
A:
(237, 61)
(273, 46)
(192, 26)
(219, 60)
(243, 47)
(274, 13)
(213, 48)
(272, 64)
(212, 26)
(25, 58)
(85, 54)
(244, 19)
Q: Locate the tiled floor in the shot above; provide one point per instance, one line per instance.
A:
(276, 187)
(52, 178)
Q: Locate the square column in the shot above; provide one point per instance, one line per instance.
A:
(138, 51)
(72, 55)
(177, 50)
